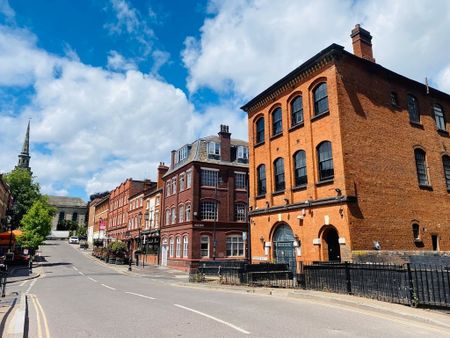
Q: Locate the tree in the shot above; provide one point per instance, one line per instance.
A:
(36, 224)
(24, 192)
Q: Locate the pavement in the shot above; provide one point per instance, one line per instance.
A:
(148, 293)
(11, 306)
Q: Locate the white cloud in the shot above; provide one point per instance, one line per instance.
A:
(116, 61)
(95, 123)
(6, 9)
(247, 45)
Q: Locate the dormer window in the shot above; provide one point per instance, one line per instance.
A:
(242, 154)
(182, 154)
(214, 150)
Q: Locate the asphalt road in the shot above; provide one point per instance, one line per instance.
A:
(78, 297)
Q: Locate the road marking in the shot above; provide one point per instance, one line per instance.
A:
(47, 331)
(75, 268)
(23, 283)
(92, 279)
(106, 286)
(213, 318)
(38, 318)
(31, 285)
(81, 273)
(137, 294)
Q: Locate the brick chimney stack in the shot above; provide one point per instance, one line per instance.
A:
(162, 169)
(225, 143)
(362, 43)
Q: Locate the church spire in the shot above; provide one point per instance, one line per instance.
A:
(24, 156)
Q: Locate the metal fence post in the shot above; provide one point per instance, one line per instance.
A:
(412, 299)
(348, 278)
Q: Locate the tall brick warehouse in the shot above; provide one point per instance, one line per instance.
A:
(348, 156)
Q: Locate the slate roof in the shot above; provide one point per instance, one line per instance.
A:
(67, 202)
(199, 153)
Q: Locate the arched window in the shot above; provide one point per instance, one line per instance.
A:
(416, 232)
(325, 157)
(413, 109)
(421, 167)
(297, 111)
(208, 210)
(178, 251)
(278, 170)
(204, 246)
(300, 168)
(446, 163)
(320, 99)
(173, 215)
(188, 212)
(171, 247)
(439, 117)
(277, 127)
(167, 216)
(185, 246)
(261, 179)
(260, 130)
(181, 213)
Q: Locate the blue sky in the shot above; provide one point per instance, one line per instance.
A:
(113, 85)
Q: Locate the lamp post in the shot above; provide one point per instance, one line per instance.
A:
(9, 226)
(130, 253)
(139, 238)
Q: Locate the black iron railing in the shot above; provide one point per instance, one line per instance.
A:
(415, 285)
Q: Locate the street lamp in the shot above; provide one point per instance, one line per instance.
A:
(9, 226)
(139, 238)
(130, 253)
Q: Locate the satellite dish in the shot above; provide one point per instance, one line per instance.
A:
(376, 245)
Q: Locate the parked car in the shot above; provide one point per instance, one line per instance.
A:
(73, 240)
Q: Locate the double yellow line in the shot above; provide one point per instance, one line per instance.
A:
(40, 314)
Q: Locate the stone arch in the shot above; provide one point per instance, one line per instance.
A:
(329, 238)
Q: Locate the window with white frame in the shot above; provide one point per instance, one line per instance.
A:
(173, 215)
(204, 246)
(157, 200)
(242, 152)
(156, 219)
(181, 213)
(208, 210)
(174, 185)
(168, 185)
(209, 178)
(188, 179)
(185, 246)
(240, 212)
(240, 180)
(235, 246)
(214, 150)
(182, 154)
(188, 212)
(178, 251)
(171, 247)
(182, 181)
(167, 216)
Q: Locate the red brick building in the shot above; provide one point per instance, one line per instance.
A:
(5, 201)
(119, 207)
(205, 202)
(347, 157)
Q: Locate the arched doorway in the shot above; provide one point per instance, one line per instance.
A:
(331, 249)
(283, 246)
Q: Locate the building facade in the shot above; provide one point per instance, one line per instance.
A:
(100, 219)
(204, 214)
(346, 157)
(67, 209)
(5, 201)
(117, 227)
